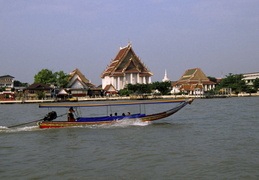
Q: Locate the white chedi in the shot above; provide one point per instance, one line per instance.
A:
(165, 77)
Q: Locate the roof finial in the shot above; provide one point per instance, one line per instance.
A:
(129, 43)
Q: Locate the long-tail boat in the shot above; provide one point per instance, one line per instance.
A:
(84, 121)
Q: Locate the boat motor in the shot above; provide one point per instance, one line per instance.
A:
(50, 116)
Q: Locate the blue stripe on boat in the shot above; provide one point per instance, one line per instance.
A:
(108, 118)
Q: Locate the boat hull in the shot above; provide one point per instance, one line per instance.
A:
(108, 120)
(88, 121)
(69, 124)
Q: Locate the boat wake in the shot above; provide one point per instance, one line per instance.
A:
(120, 124)
(116, 124)
(5, 129)
(130, 122)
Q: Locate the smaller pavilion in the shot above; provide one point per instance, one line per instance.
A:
(193, 82)
(78, 84)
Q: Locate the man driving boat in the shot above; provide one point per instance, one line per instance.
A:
(70, 115)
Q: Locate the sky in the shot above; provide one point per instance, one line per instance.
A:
(218, 36)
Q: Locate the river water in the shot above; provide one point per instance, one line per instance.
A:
(210, 139)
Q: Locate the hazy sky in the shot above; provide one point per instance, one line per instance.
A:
(218, 36)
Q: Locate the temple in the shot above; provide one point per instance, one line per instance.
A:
(125, 68)
(79, 84)
(193, 82)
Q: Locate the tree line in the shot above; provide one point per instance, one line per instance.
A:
(163, 87)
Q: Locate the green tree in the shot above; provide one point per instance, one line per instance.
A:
(61, 78)
(45, 76)
(48, 77)
(131, 87)
(20, 84)
(163, 87)
(139, 88)
(256, 84)
(235, 82)
(143, 88)
(125, 92)
(213, 79)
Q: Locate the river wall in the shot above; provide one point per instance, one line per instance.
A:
(132, 98)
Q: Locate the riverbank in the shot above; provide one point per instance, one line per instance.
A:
(131, 98)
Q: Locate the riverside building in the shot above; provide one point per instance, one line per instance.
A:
(125, 68)
(193, 82)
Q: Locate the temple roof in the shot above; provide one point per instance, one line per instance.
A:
(109, 88)
(126, 61)
(77, 76)
(193, 76)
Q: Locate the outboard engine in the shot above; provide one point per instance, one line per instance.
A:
(50, 116)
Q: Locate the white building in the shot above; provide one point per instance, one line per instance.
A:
(250, 78)
(125, 68)
(7, 81)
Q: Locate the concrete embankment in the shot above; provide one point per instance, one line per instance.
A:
(56, 101)
(26, 101)
(130, 98)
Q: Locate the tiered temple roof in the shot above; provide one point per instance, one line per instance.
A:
(194, 76)
(126, 61)
(193, 79)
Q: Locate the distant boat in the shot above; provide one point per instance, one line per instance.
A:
(84, 121)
